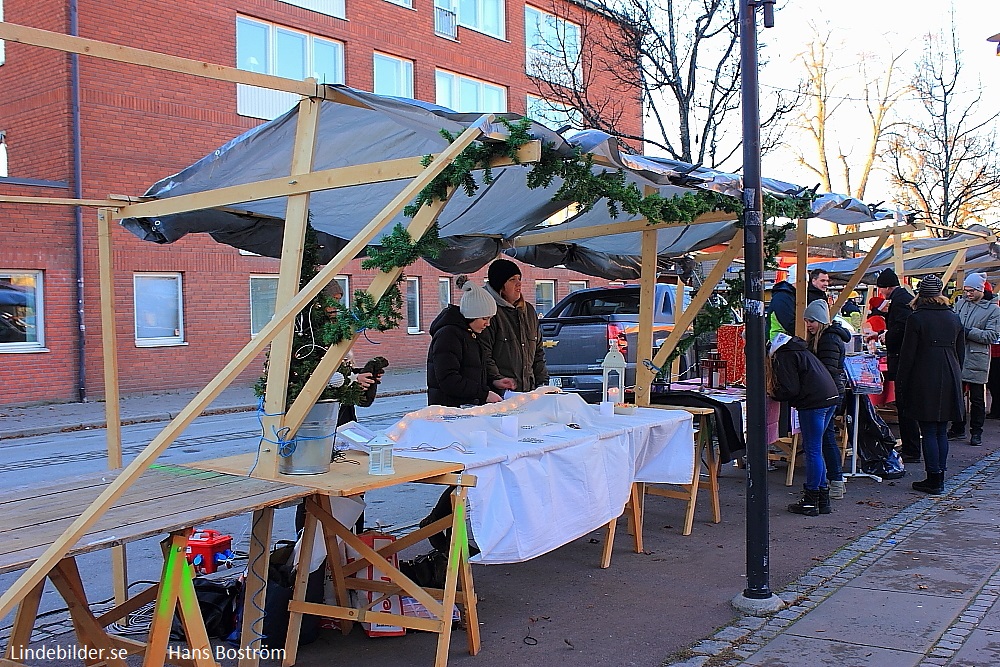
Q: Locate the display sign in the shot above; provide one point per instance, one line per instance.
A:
(863, 373)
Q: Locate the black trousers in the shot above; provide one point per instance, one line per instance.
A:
(993, 385)
(977, 410)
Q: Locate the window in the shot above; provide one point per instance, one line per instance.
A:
(158, 309)
(3, 152)
(485, 16)
(263, 296)
(21, 320)
(344, 282)
(413, 305)
(460, 93)
(545, 295)
(271, 49)
(553, 115)
(444, 292)
(445, 19)
(2, 54)
(552, 47)
(577, 285)
(329, 7)
(393, 76)
(404, 3)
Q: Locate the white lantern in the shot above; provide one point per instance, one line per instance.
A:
(613, 382)
(380, 456)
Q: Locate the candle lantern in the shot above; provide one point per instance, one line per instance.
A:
(613, 382)
(714, 371)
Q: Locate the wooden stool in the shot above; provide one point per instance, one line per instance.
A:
(704, 453)
(788, 451)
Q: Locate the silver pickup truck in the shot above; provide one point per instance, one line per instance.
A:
(578, 331)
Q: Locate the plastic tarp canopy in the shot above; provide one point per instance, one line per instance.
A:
(361, 128)
(983, 253)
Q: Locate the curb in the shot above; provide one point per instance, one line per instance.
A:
(32, 431)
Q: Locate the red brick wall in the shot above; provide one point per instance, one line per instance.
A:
(140, 125)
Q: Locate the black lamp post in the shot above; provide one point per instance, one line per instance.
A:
(757, 598)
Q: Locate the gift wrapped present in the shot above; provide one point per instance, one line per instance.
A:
(732, 348)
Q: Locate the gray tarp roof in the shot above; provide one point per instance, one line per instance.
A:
(984, 252)
(367, 128)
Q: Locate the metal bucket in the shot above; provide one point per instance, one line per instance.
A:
(312, 449)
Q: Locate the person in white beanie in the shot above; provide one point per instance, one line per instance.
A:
(980, 320)
(456, 373)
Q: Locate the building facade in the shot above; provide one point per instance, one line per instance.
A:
(85, 128)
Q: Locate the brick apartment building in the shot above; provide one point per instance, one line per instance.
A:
(81, 127)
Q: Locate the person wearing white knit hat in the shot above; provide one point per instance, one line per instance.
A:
(980, 320)
(456, 373)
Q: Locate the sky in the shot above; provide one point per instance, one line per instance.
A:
(869, 29)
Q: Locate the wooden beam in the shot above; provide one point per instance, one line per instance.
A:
(897, 254)
(57, 201)
(559, 236)
(283, 315)
(957, 230)
(851, 236)
(647, 306)
(285, 186)
(955, 263)
(124, 54)
(801, 275)
(948, 247)
(687, 317)
(289, 275)
(859, 273)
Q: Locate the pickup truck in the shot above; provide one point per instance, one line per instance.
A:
(578, 331)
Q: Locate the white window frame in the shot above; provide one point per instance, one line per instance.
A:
(556, 60)
(453, 100)
(446, 19)
(414, 284)
(37, 345)
(3, 148)
(551, 284)
(159, 341)
(475, 21)
(345, 286)
(403, 73)
(254, 330)
(335, 8)
(577, 285)
(257, 102)
(3, 52)
(444, 292)
(402, 3)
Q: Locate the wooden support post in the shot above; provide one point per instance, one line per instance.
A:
(801, 275)
(860, 272)
(675, 365)
(684, 321)
(289, 276)
(255, 587)
(958, 261)
(282, 316)
(112, 402)
(24, 623)
(897, 255)
(647, 305)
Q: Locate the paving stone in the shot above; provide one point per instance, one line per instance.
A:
(709, 647)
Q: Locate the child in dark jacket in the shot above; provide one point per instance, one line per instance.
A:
(797, 376)
(456, 374)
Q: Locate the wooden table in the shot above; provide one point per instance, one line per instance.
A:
(351, 478)
(166, 499)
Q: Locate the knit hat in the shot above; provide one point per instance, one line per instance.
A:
(500, 272)
(818, 311)
(875, 303)
(930, 287)
(476, 302)
(887, 278)
(975, 281)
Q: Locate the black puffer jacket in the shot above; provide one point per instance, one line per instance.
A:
(800, 378)
(895, 326)
(831, 350)
(456, 375)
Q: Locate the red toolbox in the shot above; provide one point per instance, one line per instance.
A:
(209, 549)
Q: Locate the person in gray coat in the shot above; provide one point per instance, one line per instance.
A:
(930, 370)
(980, 319)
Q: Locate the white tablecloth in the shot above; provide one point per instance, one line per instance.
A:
(552, 484)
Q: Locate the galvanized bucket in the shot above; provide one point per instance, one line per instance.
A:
(312, 448)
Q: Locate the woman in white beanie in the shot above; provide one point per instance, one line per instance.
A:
(456, 374)
(980, 320)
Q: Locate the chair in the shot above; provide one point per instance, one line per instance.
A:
(788, 450)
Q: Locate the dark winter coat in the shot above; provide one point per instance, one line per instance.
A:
(781, 309)
(981, 323)
(456, 374)
(895, 326)
(512, 345)
(929, 380)
(831, 350)
(800, 378)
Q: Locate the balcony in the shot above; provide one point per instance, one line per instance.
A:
(445, 23)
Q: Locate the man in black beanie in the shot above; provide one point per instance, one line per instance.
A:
(512, 344)
(898, 299)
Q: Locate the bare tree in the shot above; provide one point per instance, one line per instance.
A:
(683, 58)
(836, 160)
(945, 163)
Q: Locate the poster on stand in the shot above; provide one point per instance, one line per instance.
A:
(863, 373)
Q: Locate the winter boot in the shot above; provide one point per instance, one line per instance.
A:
(837, 489)
(824, 501)
(809, 505)
(934, 484)
(976, 439)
